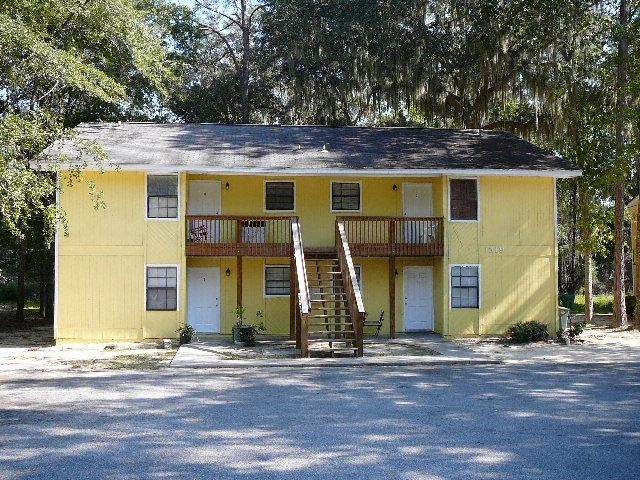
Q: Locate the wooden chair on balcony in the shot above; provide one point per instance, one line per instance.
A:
(374, 323)
(198, 233)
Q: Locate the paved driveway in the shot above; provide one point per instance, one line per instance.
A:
(515, 421)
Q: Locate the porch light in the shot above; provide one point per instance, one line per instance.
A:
(227, 272)
(395, 187)
(226, 186)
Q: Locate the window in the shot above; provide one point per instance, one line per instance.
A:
(162, 288)
(162, 196)
(345, 196)
(279, 196)
(465, 286)
(463, 197)
(277, 280)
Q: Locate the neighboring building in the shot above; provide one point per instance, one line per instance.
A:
(451, 231)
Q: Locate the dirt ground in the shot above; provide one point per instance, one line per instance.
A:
(31, 346)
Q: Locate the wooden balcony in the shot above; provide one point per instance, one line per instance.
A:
(228, 236)
(256, 236)
(395, 236)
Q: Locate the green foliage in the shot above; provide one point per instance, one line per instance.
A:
(602, 303)
(571, 332)
(531, 331)
(9, 291)
(186, 330)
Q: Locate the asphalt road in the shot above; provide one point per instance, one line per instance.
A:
(446, 422)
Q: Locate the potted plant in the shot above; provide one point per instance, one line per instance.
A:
(185, 333)
(244, 334)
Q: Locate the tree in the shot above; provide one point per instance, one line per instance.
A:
(62, 62)
(233, 24)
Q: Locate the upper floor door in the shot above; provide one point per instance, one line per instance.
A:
(204, 199)
(417, 201)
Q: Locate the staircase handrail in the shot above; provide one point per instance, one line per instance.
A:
(301, 269)
(302, 288)
(356, 305)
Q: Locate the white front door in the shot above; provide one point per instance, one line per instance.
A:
(417, 201)
(418, 298)
(203, 299)
(204, 199)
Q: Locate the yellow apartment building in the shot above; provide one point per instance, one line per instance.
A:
(318, 228)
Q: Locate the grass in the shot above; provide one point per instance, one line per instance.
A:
(602, 303)
(143, 361)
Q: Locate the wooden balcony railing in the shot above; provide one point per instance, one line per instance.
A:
(394, 236)
(225, 235)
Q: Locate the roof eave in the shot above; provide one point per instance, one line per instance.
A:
(365, 172)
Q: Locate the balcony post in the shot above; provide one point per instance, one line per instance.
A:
(392, 297)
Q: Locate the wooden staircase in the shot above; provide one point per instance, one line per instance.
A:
(330, 327)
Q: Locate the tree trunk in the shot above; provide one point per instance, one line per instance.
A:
(51, 283)
(619, 308)
(636, 268)
(588, 287)
(246, 31)
(20, 296)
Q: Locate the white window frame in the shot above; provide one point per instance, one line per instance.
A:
(146, 285)
(264, 281)
(479, 267)
(357, 182)
(477, 219)
(146, 197)
(279, 181)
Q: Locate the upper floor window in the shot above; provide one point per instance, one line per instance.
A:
(162, 196)
(465, 286)
(463, 199)
(279, 196)
(162, 288)
(345, 196)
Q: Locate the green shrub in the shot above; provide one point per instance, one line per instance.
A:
(532, 331)
(9, 291)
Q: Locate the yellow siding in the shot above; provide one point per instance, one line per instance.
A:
(101, 267)
(100, 297)
(101, 282)
(514, 244)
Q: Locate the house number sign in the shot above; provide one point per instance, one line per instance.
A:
(494, 249)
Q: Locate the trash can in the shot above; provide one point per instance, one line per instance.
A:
(564, 317)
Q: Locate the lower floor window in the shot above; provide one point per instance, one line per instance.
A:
(277, 280)
(465, 286)
(162, 288)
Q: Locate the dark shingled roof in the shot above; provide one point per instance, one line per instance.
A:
(312, 150)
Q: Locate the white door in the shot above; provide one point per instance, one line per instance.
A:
(204, 199)
(418, 298)
(417, 201)
(203, 299)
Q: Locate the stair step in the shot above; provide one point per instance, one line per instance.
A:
(336, 324)
(331, 340)
(329, 315)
